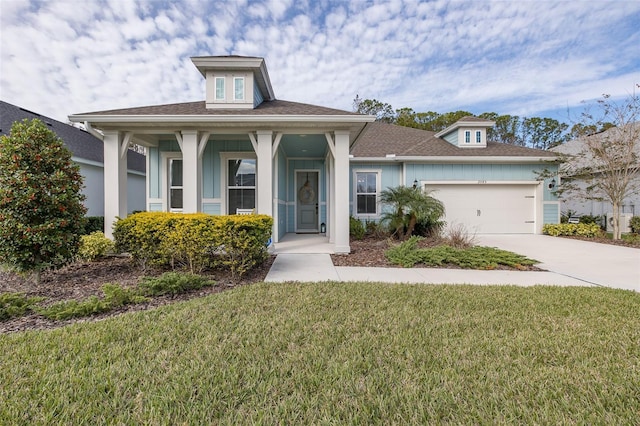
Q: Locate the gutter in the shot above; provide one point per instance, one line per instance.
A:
(245, 118)
(451, 159)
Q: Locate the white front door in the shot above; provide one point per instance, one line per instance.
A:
(490, 208)
(307, 201)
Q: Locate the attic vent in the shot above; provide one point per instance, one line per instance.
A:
(48, 124)
(30, 112)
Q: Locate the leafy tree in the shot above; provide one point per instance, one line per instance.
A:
(409, 206)
(543, 133)
(41, 210)
(506, 129)
(382, 111)
(606, 167)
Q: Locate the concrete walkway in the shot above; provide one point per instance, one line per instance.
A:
(568, 263)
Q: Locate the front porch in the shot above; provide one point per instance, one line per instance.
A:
(303, 244)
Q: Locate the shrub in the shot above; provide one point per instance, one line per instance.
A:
(41, 210)
(172, 283)
(405, 254)
(197, 241)
(16, 305)
(458, 236)
(94, 246)
(634, 223)
(115, 295)
(590, 230)
(93, 224)
(356, 228)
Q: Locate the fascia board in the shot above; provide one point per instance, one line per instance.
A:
(453, 159)
(170, 119)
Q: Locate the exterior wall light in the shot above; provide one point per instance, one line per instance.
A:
(415, 183)
(552, 184)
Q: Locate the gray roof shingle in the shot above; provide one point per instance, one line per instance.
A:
(380, 139)
(80, 142)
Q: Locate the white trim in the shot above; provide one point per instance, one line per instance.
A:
(165, 156)
(224, 160)
(243, 118)
(179, 139)
(455, 159)
(354, 201)
(254, 142)
(479, 182)
(211, 200)
(215, 88)
(276, 144)
(331, 144)
(244, 95)
(202, 144)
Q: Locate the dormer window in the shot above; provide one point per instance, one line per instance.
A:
(478, 136)
(238, 88)
(467, 136)
(219, 88)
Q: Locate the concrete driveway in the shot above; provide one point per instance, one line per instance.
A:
(600, 264)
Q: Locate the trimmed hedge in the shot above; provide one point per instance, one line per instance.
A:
(195, 241)
(590, 230)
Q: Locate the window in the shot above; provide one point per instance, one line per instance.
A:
(478, 136)
(238, 88)
(219, 88)
(467, 136)
(241, 185)
(367, 193)
(175, 184)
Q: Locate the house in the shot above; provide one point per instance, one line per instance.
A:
(87, 152)
(576, 157)
(311, 167)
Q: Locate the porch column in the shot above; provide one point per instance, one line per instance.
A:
(341, 202)
(264, 184)
(331, 201)
(116, 146)
(191, 166)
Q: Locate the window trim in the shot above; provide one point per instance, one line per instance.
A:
(235, 89)
(378, 173)
(224, 175)
(166, 157)
(215, 88)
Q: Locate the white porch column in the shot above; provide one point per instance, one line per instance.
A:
(264, 184)
(191, 166)
(331, 200)
(116, 146)
(341, 189)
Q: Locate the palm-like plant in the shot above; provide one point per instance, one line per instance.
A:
(409, 205)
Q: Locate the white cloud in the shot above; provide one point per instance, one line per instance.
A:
(64, 57)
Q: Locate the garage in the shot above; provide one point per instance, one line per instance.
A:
(488, 208)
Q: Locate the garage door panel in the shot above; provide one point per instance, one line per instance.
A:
(489, 208)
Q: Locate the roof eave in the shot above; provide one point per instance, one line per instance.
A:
(455, 159)
(178, 119)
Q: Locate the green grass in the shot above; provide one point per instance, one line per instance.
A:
(338, 354)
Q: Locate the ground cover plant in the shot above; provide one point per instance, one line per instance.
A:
(407, 254)
(338, 353)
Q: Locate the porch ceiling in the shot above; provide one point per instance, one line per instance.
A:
(307, 145)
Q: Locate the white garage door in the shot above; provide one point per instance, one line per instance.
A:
(489, 208)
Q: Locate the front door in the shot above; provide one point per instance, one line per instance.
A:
(307, 201)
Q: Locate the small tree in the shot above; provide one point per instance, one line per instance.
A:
(409, 205)
(607, 165)
(41, 210)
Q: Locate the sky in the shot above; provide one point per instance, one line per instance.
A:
(525, 58)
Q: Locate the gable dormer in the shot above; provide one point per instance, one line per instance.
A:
(234, 82)
(468, 132)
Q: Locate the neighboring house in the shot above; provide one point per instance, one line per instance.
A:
(87, 152)
(574, 153)
(311, 167)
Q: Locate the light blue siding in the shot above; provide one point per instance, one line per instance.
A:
(211, 167)
(154, 172)
(550, 213)
(282, 222)
(257, 96)
(452, 138)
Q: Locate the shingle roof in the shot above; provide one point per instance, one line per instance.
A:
(275, 107)
(380, 139)
(81, 143)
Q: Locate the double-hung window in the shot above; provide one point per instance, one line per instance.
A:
(219, 88)
(241, 185)
(366, 192)
(478, 136)
(238, 88)
(467, 136)
(175, 184)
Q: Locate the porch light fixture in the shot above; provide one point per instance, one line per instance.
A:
(415, 183)
(552, 184)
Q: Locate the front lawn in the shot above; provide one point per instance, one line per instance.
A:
(339, 354)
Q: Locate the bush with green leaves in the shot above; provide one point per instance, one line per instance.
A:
(590, 230)
(172, 283)
(93, 224)
(41, 210)
(634, 223)
(410, 206)
(356, 228)
(94, 246)
(16, 304)
(196, 241)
